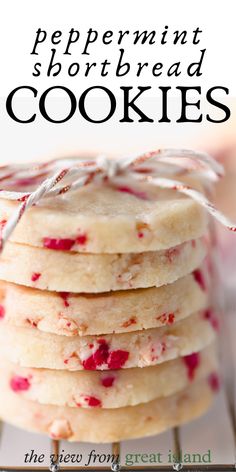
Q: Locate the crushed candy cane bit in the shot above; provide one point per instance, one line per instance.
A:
(58, 244)
(166, 318)
(65, 296)
(108, 381)
(98, 358)
(198, 276)
(117, 359)
(103, 357)
(93, 401)
(35, 276)
(192, 362)
(19, 384)
(81, 239)
(214, 381)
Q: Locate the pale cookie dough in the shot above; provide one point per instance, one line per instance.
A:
(121, 311)
(106, 220)
(74, 272)
(33, 348)
(113, 389)
(105, 425)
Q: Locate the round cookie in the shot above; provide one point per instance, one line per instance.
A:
(33, 348)
(105, 425)
(120, 311)
(113, 389)
(106, 219)
(92, 273)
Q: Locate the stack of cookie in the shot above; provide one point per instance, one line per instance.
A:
(106, 331)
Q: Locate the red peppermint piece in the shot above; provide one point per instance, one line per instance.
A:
(81, 239)
(108, 381)
(101, 354)
(192, 362)
(98, 358)
(93, 401)
(199, 278)
(35, 276)
(214, 381)
(65, 296)
(58, 244)
(2, 312)
(19, 384)
(89, 363)
(171, 318)
(117, 359)
(166, 318)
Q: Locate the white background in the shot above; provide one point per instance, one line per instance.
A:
(20, 20)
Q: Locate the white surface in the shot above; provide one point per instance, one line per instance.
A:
(44, 140)
(214, 17)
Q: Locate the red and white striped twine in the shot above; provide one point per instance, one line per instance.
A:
(158, 168)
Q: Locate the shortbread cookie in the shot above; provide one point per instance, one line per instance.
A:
(113, 389)
(100, 425)
(108, 220)
(121, 311)
(33, 348)
(74, 272)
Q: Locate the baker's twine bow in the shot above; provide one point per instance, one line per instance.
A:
(157, 168)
